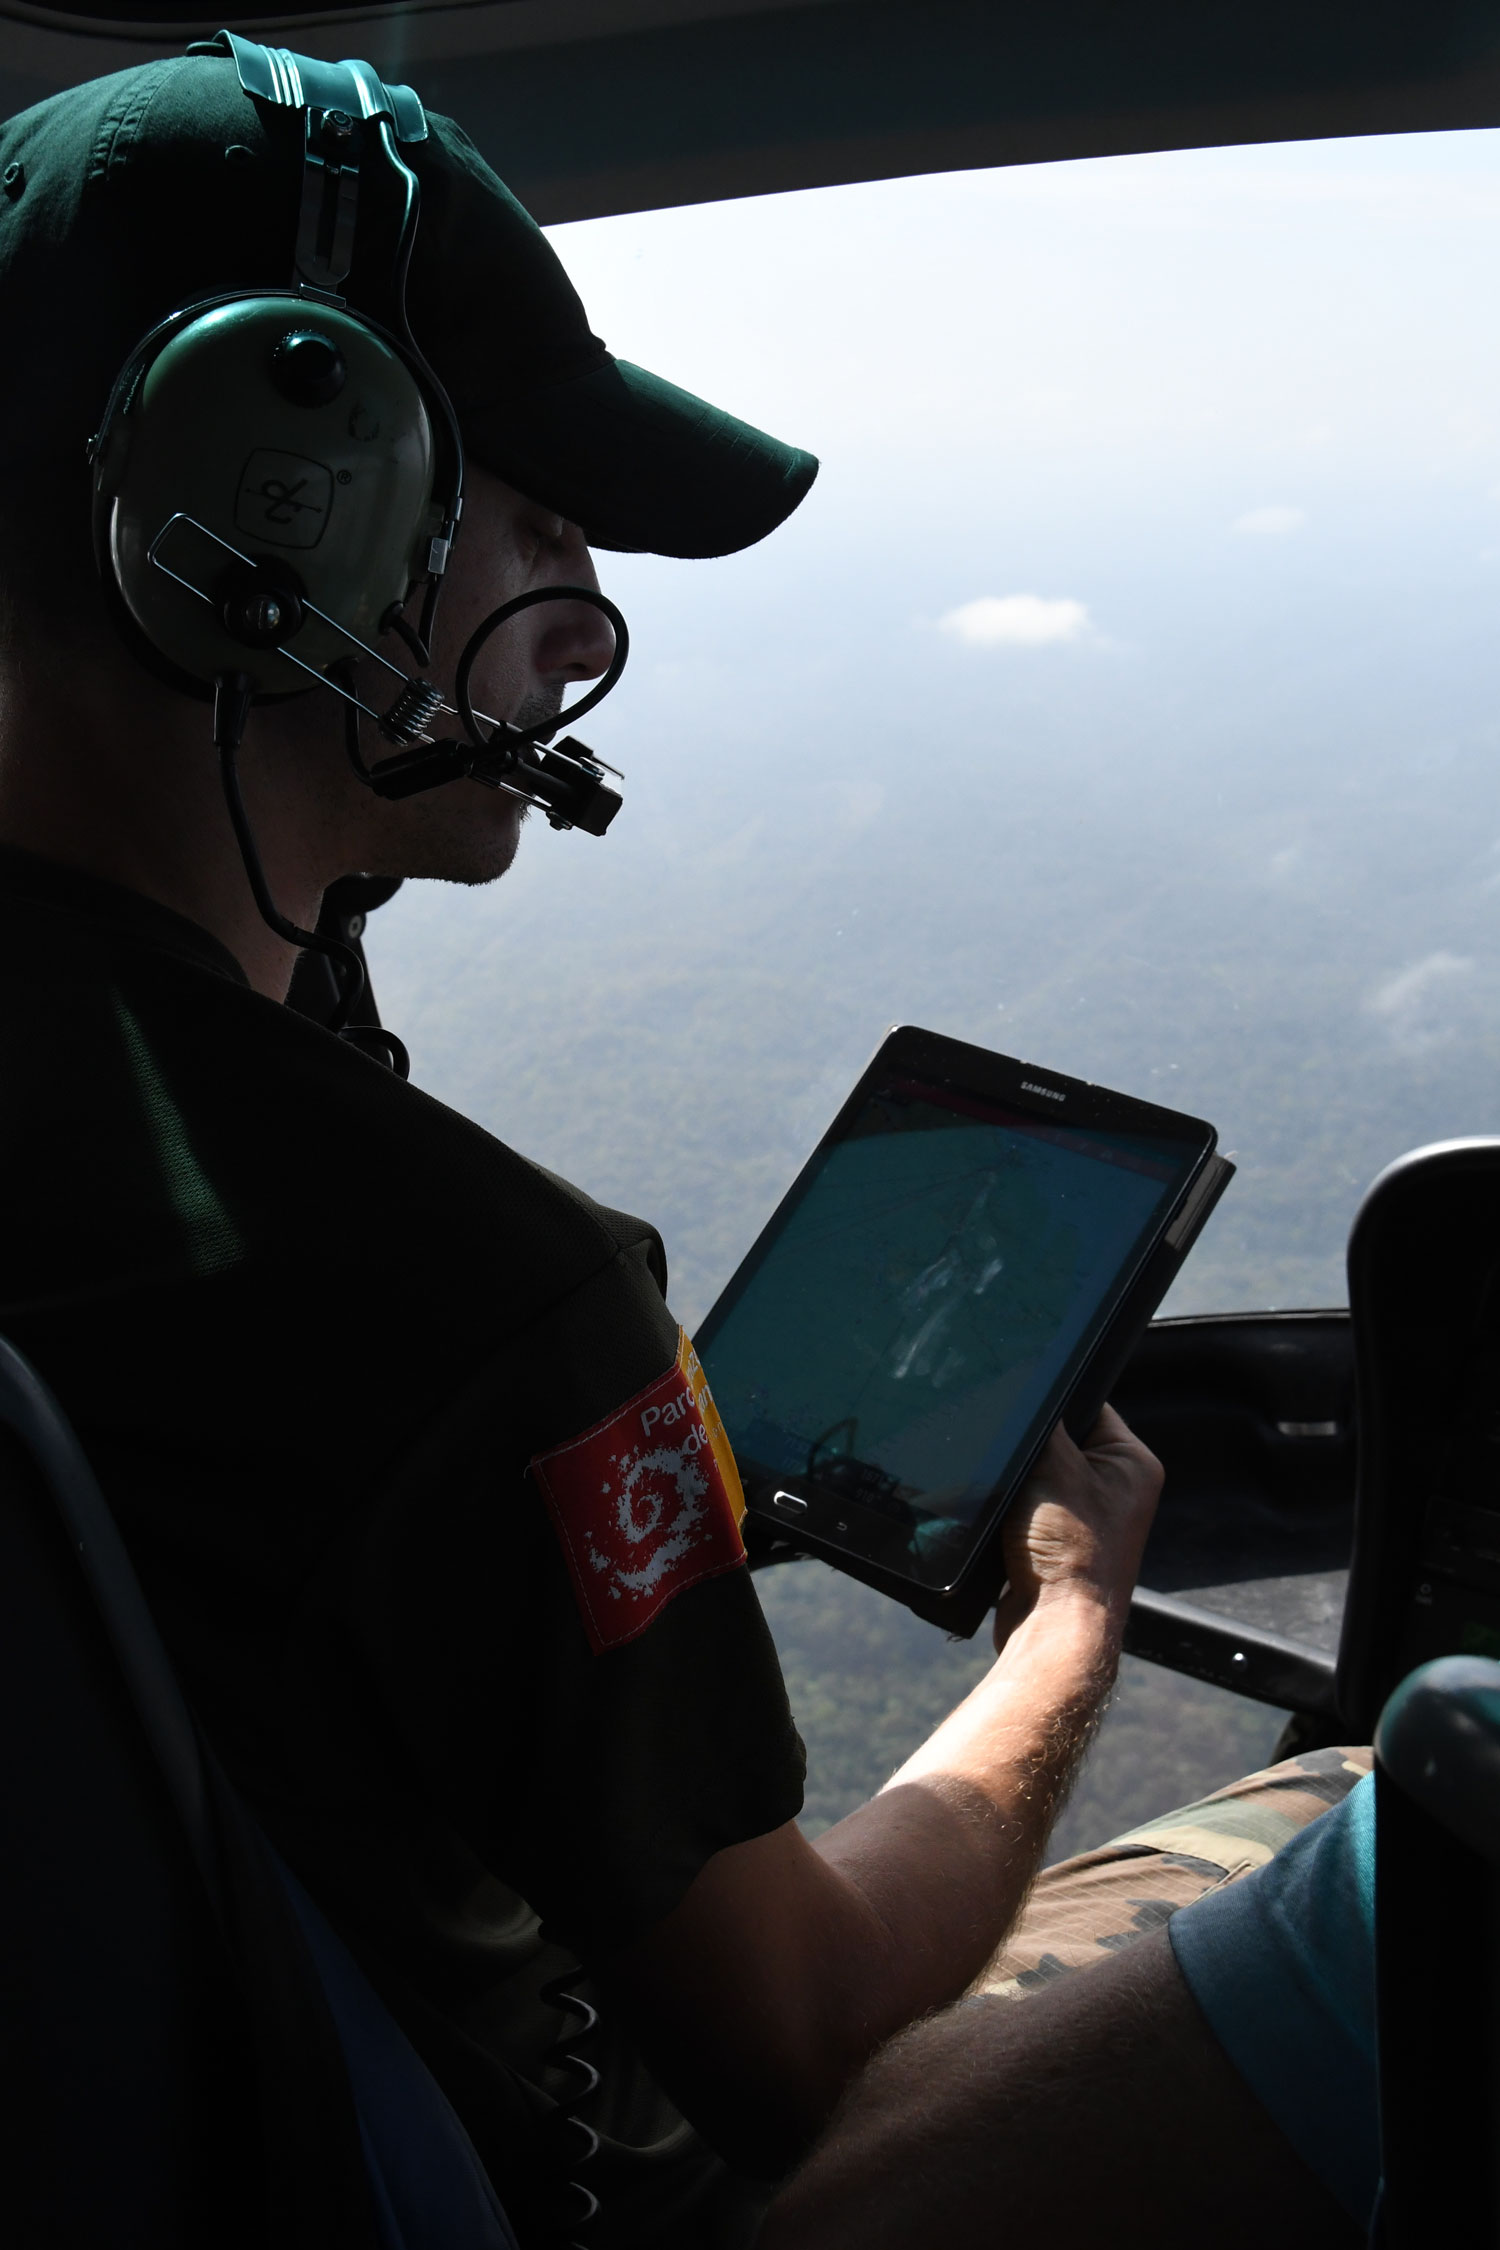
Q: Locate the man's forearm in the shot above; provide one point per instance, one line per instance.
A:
(944, 1856)
(786, 1963)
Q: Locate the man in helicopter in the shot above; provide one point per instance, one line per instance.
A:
(356, 1377)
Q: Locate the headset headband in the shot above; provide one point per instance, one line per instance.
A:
(276, 75)
(338, 100)
(350, 116)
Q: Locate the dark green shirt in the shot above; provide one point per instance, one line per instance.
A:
(313, 1327)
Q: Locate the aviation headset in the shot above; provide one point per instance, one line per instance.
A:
(277, 475)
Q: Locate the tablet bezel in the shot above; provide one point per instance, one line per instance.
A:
(801, 1512)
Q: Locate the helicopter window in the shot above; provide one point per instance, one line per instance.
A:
(1124, 697)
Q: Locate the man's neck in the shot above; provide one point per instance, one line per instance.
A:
(145, 809)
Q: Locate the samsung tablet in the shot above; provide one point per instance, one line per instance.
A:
(967, 1257)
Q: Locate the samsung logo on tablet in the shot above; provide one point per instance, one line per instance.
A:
(1030, 1086)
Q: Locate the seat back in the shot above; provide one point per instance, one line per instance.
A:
(175, 2016)
(126, 2089)
(1424, 1298)
(1437, 1942)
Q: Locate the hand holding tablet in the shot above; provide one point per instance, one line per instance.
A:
(1078, 1526)
(968, 1257)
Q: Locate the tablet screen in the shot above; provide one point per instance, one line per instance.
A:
(914, 1308)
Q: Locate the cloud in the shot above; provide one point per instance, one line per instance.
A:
(1410, 1003)
(1270, 523)
(860, 802)
(1015, 621)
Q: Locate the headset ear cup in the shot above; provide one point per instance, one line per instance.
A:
(272, 435)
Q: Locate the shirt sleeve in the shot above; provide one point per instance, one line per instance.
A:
(1282, 1964)
(556, 1610)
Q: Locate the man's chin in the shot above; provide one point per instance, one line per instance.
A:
(451, 839)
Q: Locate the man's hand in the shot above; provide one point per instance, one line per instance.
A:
(1080, 1523)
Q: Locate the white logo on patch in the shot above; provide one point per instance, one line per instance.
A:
(646, 1504)
(659, 1495)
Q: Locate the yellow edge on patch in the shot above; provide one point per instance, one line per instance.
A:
(690, 1367)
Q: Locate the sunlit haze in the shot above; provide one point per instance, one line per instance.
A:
(1126, 695)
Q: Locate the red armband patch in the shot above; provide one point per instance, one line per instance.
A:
(646, 1503)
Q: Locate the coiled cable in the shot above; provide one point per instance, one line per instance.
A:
(412, 712)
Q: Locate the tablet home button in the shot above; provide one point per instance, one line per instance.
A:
(789, 1504)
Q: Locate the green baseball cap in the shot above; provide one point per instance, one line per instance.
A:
(126, 197)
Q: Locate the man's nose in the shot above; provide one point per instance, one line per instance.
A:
(575, 640)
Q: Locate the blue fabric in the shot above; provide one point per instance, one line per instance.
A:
(1282, 1963)
(430, 2190)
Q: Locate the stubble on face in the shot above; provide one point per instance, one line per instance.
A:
(462, 831)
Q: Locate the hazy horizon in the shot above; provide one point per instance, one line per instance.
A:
(1123, 696)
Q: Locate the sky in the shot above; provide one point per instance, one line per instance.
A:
(1124, 695)
(1279, 312)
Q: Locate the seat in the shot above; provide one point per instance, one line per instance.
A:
(1297, 1444)
(1437, 1925)
(1242, 1583)
(188, 2054)
(127, 2088)
(1424, 1300)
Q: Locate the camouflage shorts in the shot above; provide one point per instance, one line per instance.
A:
(1084, 1908)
